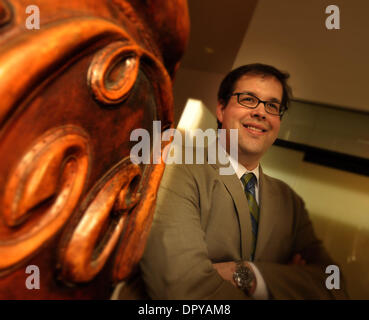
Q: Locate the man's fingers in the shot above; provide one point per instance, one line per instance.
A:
(297, 260)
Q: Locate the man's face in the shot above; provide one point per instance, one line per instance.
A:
(257, 129)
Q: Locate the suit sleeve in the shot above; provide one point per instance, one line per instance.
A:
(175, 264)
(302, 282)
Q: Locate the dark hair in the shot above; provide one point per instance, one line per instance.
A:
(227, 86)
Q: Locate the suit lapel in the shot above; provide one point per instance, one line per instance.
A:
(232, 183)
(269, 206)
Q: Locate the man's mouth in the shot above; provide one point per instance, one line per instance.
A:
(254, 128)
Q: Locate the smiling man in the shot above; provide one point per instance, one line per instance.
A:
(239, 236)
(254, 108)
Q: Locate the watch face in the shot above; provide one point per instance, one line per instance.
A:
(238, 280)
(243, 277)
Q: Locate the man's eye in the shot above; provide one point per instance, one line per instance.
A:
(273, 106)
(248, 99)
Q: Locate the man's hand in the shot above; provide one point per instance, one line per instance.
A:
(227, 269)
(297, 260)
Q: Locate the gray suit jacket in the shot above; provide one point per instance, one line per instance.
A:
(202, 218)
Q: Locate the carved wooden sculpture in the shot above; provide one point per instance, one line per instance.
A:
(71, 201)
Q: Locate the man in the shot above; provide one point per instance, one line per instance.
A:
(238, 236)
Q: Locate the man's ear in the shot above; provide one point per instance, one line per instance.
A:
(220, 111)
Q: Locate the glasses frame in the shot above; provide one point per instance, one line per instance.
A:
(281, 110)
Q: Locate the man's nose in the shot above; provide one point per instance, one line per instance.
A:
(259, 111)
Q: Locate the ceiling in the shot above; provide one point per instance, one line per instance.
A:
(217, 31)
(326, 66)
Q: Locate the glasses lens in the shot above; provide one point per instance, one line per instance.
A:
(247, 100)
(273, 108)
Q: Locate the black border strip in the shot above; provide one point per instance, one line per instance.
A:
(328, 158)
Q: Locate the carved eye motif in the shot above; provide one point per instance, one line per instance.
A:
(113, 72)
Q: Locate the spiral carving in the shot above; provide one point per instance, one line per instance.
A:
(114, 70)
(69, 38)
(133, 240)
(68, 202)
(87, 246)
(42, 190)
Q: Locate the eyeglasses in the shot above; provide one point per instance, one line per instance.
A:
(248, 100)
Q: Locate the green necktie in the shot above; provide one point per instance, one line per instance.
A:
(249, 181)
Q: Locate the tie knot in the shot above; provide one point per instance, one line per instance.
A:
(249, 181)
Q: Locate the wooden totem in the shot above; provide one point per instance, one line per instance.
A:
(72, 204)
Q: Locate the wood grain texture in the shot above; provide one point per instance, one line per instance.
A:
(87, 247)
(71, 202)
(46, 184)
(5, 13)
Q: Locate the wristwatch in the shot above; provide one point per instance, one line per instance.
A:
(244, 277)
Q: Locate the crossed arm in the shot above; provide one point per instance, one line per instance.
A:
(176, 263)
(227, 269)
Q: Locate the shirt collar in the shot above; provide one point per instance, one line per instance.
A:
(240, 170)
